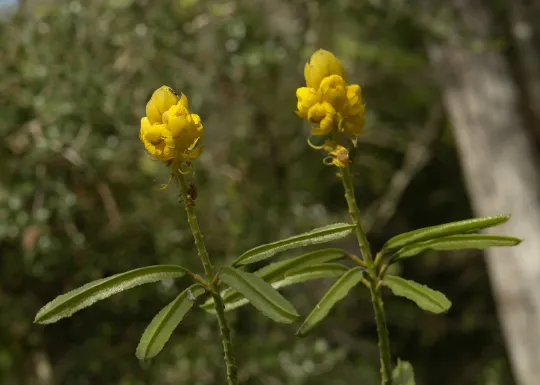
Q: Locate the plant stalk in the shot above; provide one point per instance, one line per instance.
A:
(355, 214)
(376, 298)
(211, 275)
(382, 332)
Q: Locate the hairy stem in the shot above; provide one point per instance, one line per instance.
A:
(211, 275)
(376, 298)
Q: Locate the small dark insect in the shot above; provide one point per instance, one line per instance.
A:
(192, 193)
(173, 91)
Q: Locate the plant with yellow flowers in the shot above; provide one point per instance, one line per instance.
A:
(335, 111)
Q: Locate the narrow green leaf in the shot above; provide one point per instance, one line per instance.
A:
(276, 271)
(323, 270)
(261, 294)
(313, 237)
(426, 298)
(443, 230)
(337, 292)
(308, 273)
(403, 374)
(162, 326)
(66, 304)
(457, 242)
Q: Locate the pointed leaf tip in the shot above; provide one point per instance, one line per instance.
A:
(427, 299)
(457, 242)
(432, 232)
(336, 293)
(66, 304)
(165, 322)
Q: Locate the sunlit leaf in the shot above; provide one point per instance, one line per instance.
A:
(260, 294)
(316, 236)
(162, 326)
(337, 292)
(426, 298)
(457, 242)
(276, 271)
(427, 233)
(67, 304)
(403, 374)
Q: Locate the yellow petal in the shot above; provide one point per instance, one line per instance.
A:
(162, 99)
(184, 102)
(177, 124)
(153, 114)
(334, 90)
(322, 64)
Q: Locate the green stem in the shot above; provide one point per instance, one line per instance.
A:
(355, 214)
(211, 275)
(382, 332)
(376, 298)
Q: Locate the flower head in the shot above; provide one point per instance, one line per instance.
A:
(170, 132)
(329, 103)
(322, 64)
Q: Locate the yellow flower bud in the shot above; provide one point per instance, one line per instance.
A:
(334, 90)
(321, 65)
(354, 125)
(307, 97)
(162, 99)
(323, 115)
(339, 155)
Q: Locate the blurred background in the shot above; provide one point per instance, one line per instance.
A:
(453, 110)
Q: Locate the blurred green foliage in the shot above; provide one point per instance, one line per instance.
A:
(79, 198)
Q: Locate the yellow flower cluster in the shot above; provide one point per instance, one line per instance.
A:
(168, 131)
(328, 102)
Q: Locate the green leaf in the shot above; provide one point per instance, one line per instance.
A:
(313, 237)
(403, 374)
(337, 292)
(276, 271)
(426, 298)
(162, 326)
(308, 273)
(457, 242)
(323, 270)
(261, 294)
(67, 304)
(427, 233)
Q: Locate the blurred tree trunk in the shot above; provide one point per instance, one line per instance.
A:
(500, 164)
(522, 17)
